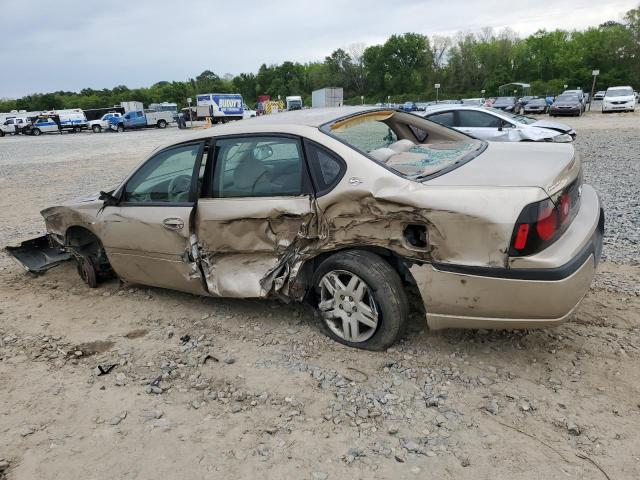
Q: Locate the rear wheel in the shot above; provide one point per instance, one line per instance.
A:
(361, 300)
(162, 123)
(1, 133)
(96, 129)
(36, 132)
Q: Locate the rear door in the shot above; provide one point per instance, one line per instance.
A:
(256, 215)
(148, 236)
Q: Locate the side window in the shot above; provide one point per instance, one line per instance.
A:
(138, 114)
(259, 166)
(470, 118)
(443, 118)
(165, 177)
(326, 168)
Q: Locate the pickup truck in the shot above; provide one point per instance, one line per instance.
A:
(13, 125)
(146, 118)
(107, 119)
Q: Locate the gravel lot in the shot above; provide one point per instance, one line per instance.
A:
(210, 388)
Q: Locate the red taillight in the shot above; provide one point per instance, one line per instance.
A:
(521, 236)
(547, 221)
(542, 223)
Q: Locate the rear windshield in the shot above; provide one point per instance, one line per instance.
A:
(415, 158)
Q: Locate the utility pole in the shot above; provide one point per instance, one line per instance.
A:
(190, 112)
(595, 73)
(437, 87)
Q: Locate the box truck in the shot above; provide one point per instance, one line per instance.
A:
(220, 107)
(132, 106)
(294, 102)
(327, 97)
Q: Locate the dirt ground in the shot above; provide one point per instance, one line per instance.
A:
(216, 388)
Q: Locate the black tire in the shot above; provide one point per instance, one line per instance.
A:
(1, 133)
(87, 271)
(162, 123)
(36, 132)
(120, 128)
(96, 128)
(385, 287)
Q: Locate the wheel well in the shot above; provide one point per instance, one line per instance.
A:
(304, 278)
(83, 241)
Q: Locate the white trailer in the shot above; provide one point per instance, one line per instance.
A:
(132, 106)
(327, 97)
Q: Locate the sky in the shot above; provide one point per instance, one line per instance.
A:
(69, 45)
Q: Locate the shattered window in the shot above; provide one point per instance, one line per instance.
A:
(366, 135)
(258, 167)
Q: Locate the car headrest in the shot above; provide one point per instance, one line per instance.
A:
(402, 145)
(382, 154)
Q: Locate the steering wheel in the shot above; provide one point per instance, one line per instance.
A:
(179, 187)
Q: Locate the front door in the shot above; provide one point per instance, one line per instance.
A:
(256, 215)
(482, 125)
(148, 236)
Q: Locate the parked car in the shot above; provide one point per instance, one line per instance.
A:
(146, 118)
(409, 107)
(350, 210)
(508, 104)
(567, 104)
(526, 99)
(107, 120)
(599, 95)
(578, 93)
(619, 99)
(476, 102)
(499, 126)
(536, 105)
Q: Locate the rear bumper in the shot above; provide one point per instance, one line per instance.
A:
(458, 296)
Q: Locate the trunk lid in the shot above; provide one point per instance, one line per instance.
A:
(550, 166)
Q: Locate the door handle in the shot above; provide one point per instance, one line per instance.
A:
(173, 223)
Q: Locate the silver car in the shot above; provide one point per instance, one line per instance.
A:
(496, 125)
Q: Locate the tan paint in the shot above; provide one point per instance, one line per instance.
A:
(256, 247)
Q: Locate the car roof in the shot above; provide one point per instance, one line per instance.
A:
(285, 121)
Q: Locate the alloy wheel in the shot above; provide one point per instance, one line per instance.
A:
(348, 306)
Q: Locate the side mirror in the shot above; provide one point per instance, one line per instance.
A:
(262, 153)
(108, 199)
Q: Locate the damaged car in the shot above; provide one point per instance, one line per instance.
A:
(368, 214)
(495, 125)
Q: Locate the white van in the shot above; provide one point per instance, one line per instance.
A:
(619, 99)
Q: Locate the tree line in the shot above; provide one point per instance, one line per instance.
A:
(406, 67)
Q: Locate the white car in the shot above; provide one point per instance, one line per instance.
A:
(248, 112)
(619, 99)
(103, 124)
(488, 123)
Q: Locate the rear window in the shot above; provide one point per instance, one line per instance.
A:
(367, 135)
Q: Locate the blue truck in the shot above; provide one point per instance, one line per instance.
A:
(146, 118)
